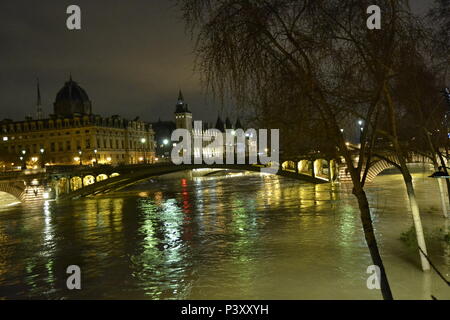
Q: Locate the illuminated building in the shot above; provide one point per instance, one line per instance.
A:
(73, 135)
(184, 120)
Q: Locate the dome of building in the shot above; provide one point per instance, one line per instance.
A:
(72, 99)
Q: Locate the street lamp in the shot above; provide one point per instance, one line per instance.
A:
(143, 141)
(80, 153)
(164, 146)
(24, 164)
(42, 150)
(95, 152)
(361, 124)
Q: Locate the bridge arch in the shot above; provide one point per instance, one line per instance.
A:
(381, 165)
(102, 177)
(16, 189)
(303, 166)
(88, 180)
(76, 183)
(288, 166)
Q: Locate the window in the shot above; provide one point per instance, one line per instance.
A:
(68, 146)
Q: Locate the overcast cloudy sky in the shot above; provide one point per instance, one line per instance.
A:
(131, 57)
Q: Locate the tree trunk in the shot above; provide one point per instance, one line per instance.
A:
(369, 234)
(416, 217)
(444, 198)
(366, 219)
(408, 182)
(437, 154)
(444, 166)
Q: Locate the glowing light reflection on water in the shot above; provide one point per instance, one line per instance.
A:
(244, 237)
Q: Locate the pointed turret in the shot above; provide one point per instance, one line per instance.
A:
(228, 124)
(181, 107)
(219, 124)
(238, 124)
(183, 116)
(39, 113)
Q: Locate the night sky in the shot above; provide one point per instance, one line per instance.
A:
(131, 57)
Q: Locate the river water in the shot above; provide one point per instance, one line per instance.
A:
(245, 236)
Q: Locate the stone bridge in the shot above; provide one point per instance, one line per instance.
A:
(380, 163)
(26, 187)
(68, 182)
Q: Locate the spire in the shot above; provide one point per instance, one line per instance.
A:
(180, 97)
(39, 114)
(238, 124)
(181, 107)
(219, 124)
(228, 124)
(38, 94)
(70, 86)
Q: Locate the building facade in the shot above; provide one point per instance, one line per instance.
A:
(184, 120)
(73, 135)
(163, 132)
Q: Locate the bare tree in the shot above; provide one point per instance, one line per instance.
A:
(306, 65)
(422, 125)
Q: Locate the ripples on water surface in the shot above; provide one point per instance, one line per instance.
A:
(242, 237)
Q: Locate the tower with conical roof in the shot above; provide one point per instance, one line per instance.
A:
(219, 124)
(39, 113)
(183, 117)
(228, 124)
(238, 124)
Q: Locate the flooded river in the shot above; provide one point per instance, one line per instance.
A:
(245, 236)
